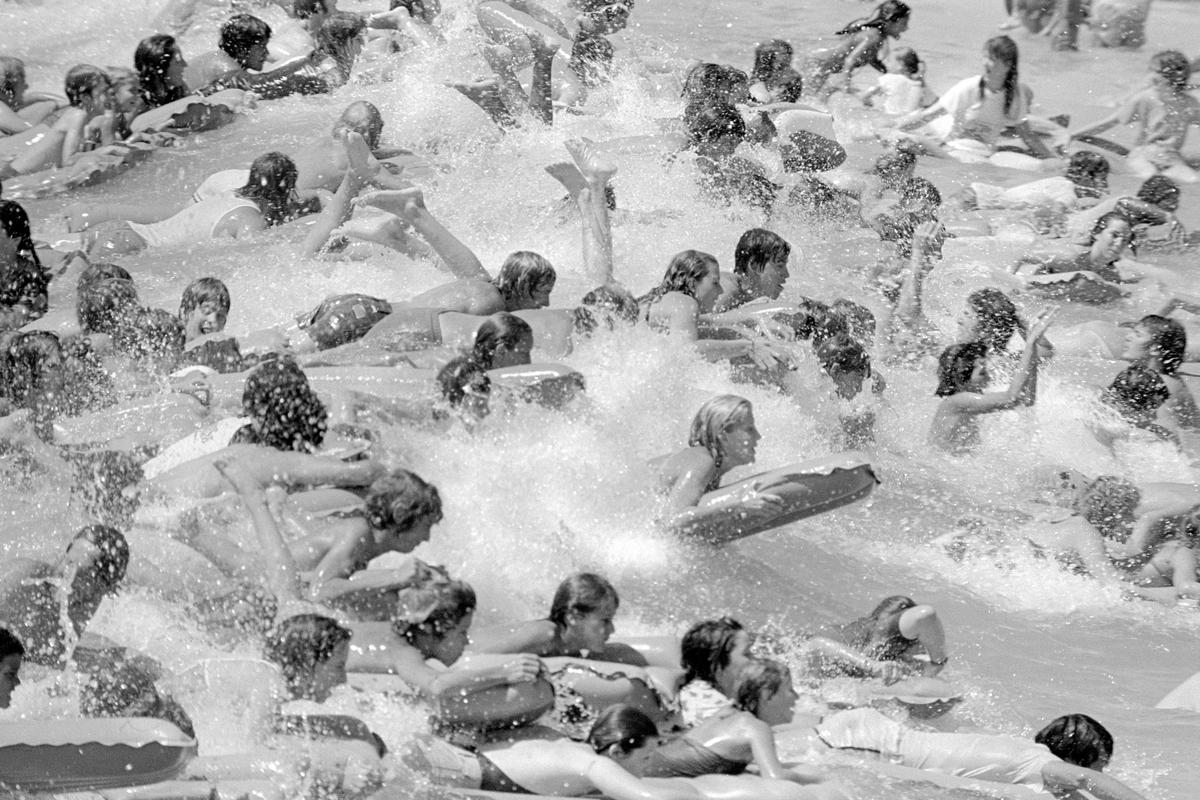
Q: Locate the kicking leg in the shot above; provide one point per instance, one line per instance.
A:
(409, 205)
(586, 182)
(486, 94)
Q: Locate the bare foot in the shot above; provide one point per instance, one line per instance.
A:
(593, 164)
(236, 474)
(404, 203)
(384, 229)
(569, 176)
(362, 164)
(485, 93)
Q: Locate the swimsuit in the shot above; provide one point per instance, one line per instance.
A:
(343, 318)
(684, 758)
(193, 224)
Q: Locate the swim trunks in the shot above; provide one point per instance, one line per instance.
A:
(343, 318)
(682, 757)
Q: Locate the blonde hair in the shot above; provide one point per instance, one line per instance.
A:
(714, 418)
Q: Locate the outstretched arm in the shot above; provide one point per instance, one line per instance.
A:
(409, 205)
(1059, 775)
(281, 574)
(339, 209)
(968, 403)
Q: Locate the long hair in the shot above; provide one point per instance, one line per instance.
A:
(302, 643)
(1168, 340)
(272, 187)
(770, 58)
(1002, 48)
(152, 60)
(285, 412)
(714, 418)
(998, 319)
(504, 329)
(706, 648)
(621, 725)
(15, 223)
(886, 12)
(581, 593)
(683, 274)
(520, 274)
(955, 365)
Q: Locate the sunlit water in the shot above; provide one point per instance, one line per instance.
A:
(541, 494)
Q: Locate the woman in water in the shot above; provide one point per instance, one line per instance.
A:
(1160, 344)
(772, 80)
(865, 39)
(1109, 239)
(159, 63)
(883, 643)
(20, 110)
(712, 654)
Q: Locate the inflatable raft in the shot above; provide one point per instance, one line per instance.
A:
(550, 385)
(806, 489)
(1078, 287)
(91, 169)
(90, 754)
(193, 114)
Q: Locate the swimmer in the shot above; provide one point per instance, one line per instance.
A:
(847, 364)
(89, 95)
(715, 130)
(1153, 207)
(1135, 394)
(1111, 236)
(242, 46)
(160, 65)
(885, 643)
(24, 281)
(1160, 345)
(760, 270)
(20, 109)
(12, 652)
(865, 39)
(772, 80)
(903, 87)
(1082, 185)
(962, 375)
(712, 654)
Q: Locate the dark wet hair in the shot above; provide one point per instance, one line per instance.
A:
(756, 248)
(955, 365)
(152, 60)
(843, 354)
(998, 319)
(1003, 48)
(919, 190)
(1136, 391)
(703, 82)
(201, 291)
(520, 274)
(1109, 503)
(615, 300)
(758, 680)
(300, 644)
(684, 273)
(1174, 66)
(113, 558)
(303, 9)
(504, 329)
(708, 121)
(149, 333)
(805, 151)
(860, 322)
(819, 321)
(10, 645)
(241, 33)
(581, 593)
(272, 187)
(1169, 338)
(81, 80)
(621, 725)
(770, 59)
(104, 306)
(457, 375)
(338, 30)
(1104, 221)
(285, 412)
(706, 648)
(1158, 188)
(14, 221)
(432, 609)
(28, 376)
(1077, 739)
(894, 166)
(11, 68)
(1088, 167)
(886, 12)
(400, 500)
(912, 63)
(363, 118)
(878, 633)
(101, 270)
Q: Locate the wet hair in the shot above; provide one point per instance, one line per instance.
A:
(303, 9)
(770, 59)
(103, 306)
(241, 33)
(1109, 503)
(859, 320)
(15, 223)
(955, 365)
(1136, 391)
(759, 680)
(684, 273)
(895, 166)
(705, 81)
(1158, 188)
(432, 609)
(706, 648)
(709, 121)
(843, 354)
(127, 688)
(152, 60)
(756, 248)
(459, 373)
(504, 329)
(520, 274)
(26, 354)
(789, 84)
(201, 291)
(10, 645)
(1168, 340)
(12, 70)
(714, 418)
(300, 644)
(400, 500)
(150, 333)
(285, 412)
(1174, 67)
(819, 322)
(272, 187)
(338, 30)
(997, 315)
(581, 593)
(99, 271)
(1088, 167)
(1077, 739)
(805, 151)
(1003, 48)
(362, 118)
(907, 58)
(878, 633)
(1104, 221)
(919, 190)
(618, 302)
(113, 557)
(623, 726)
(81, 80)
(885, 13)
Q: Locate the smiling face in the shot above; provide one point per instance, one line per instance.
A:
(10, 679)
(208, 317)
(739, 443)
(773, 277)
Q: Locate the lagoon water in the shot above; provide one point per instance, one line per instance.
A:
(541, 494)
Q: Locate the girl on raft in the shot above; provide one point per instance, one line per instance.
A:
(887, 643)
(864, 44)
(980, 108)
(1110, 238)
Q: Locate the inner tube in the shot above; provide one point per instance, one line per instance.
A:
(551, 385)
(327, 726)
(90, 169)
(808, 488)
(1083, 286)
(192, 114)
(71, 755)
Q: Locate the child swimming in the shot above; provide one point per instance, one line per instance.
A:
(865, 39)
(902, 88)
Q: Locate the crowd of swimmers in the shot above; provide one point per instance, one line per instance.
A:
(554, 705)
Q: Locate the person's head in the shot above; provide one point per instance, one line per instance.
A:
(582, 612)
(36, 379)
(126, 97)
(1078, 739)
(525, 281)
(724, 426)
(819, 322)
(704, 82)
(424, 10)
(714, 129)
(908, 62)
(285, 413)
(761, 259)
(341, 35)
(1110, 504)
(312, 12)
(362, 118)
(1137, 392)
(204, 307)
(771, 58)
(465, 385)
(962, 368)
(272, 186)
(12, 81)
(1000, 68)
(694, 273)
(435, 618)
(104, 305)
(860, 322)
(1157, 342)
(990, 317)
(920, 197)
(846, 362)
(1172, 69)
(1161, 191)
(503, 340)
(894, 168)
(98, 271)
(806, 152)
(1110, 237)
(715, 651)
(11, 654)
(16, 239)
(1088, 170)
(95, 561)
(606, 17)
(403, 507)
(311, 651)
(152, 336)
(878, 633)
(159, 64)
(890, 18)
(626, 735)
(764, 688)
(244, 38)
(605, 306)
(88, 87)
